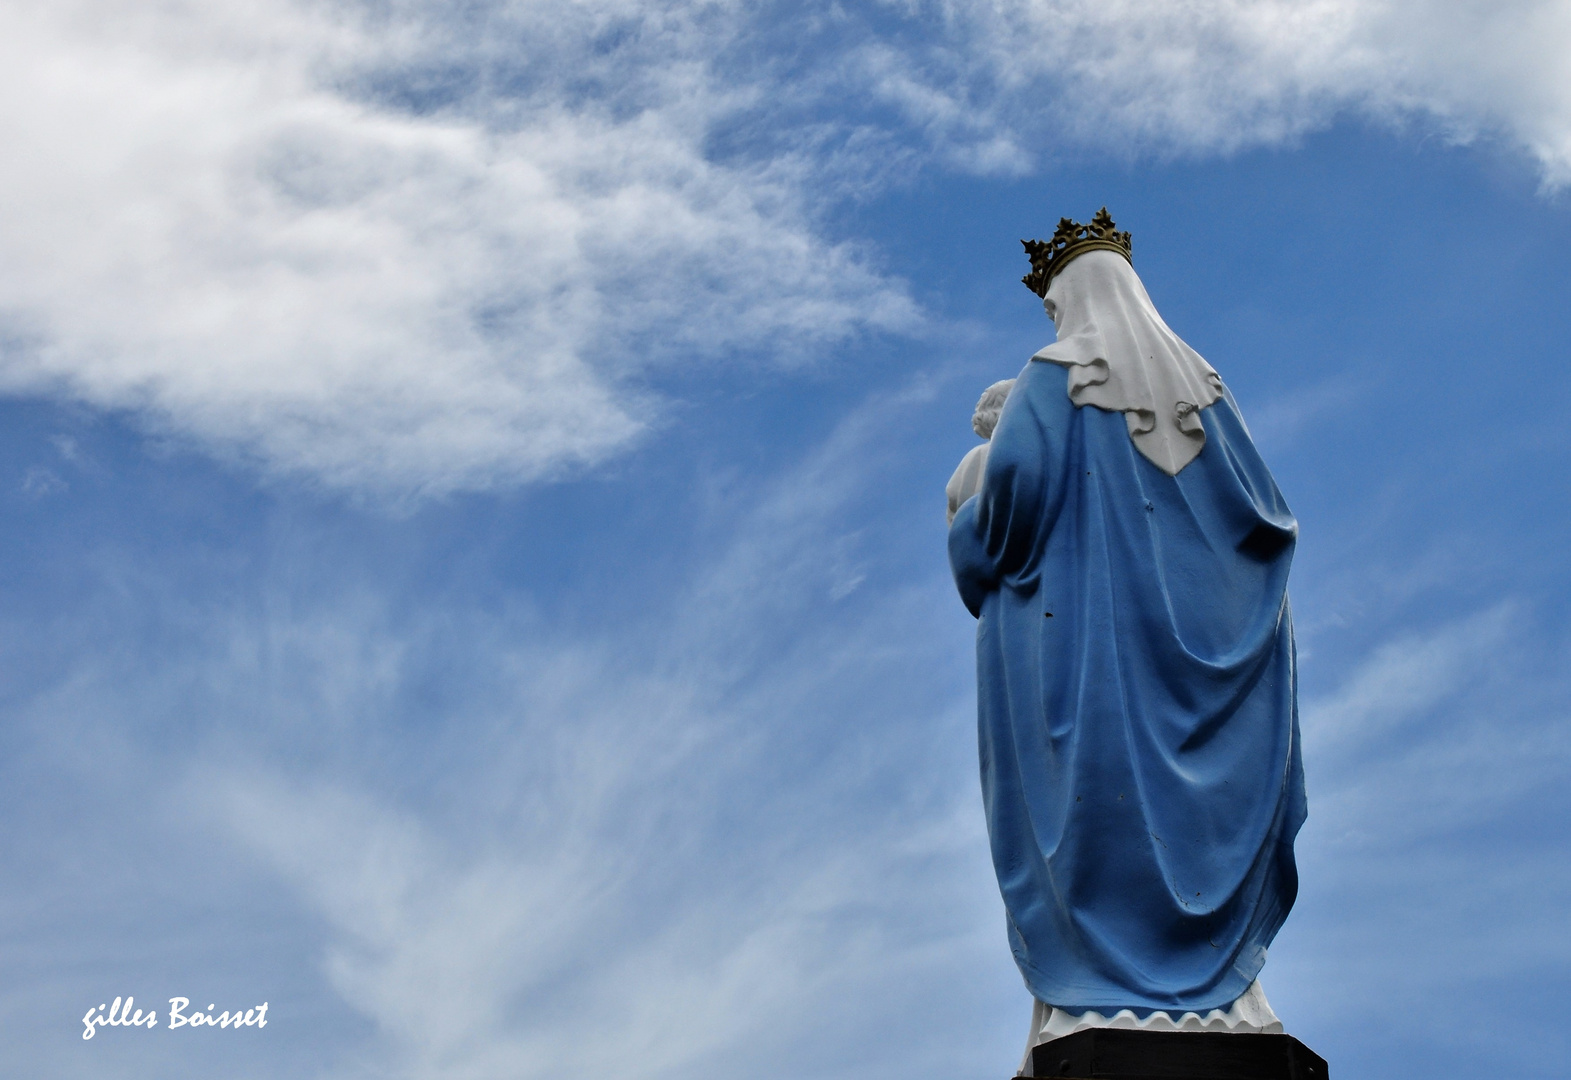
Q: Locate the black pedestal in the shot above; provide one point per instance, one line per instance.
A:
(1111, 1054)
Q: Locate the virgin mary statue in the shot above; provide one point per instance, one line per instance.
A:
(1126, 558)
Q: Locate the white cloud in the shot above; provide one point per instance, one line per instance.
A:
(1213, 75)
(417, 247)
(219, 219)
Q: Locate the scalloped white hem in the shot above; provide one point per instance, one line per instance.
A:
(1250, 1014)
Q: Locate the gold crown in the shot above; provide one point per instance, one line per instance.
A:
(1072, 239)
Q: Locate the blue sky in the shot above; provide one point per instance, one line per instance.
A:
(474, 567)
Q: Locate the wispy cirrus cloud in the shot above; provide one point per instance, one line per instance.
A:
(1436, 771)
(486, 844)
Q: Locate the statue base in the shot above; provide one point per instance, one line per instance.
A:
(1116, 1054)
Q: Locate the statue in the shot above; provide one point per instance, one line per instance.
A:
(967, 480)
(1126, 558)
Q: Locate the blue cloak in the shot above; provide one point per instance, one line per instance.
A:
(1137, 703)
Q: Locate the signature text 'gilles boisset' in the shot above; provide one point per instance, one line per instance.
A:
(120, 1015)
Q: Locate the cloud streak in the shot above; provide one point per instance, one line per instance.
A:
(662, 847)
(1428, 864)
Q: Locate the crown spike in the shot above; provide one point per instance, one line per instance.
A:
(1070, 240)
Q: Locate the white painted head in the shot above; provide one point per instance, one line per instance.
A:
(1123, 358)
(989, 406)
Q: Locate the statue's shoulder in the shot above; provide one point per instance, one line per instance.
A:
(1043, 389)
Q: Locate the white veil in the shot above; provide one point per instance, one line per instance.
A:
(1123, 358)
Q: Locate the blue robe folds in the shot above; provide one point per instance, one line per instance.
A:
(1137, 703)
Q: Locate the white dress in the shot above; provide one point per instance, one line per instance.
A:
(967, 480)
(1250, 1014)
